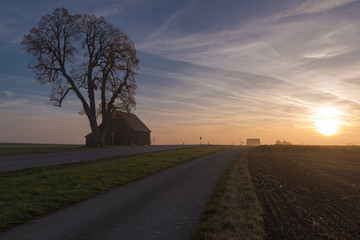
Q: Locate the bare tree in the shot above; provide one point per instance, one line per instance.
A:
(85, 55)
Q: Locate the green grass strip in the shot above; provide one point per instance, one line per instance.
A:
(233, 212)
(7, 150)
(31, 193)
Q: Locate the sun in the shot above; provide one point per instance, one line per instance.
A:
(327, 127)
(326, 121)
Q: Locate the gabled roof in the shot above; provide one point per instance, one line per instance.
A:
(134, 122)
(131, 119)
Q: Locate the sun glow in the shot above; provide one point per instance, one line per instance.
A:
(327, 121)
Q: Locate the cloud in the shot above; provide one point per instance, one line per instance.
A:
(268, 73)
(259, 72)
(180, 13)
(275, 49)
(314, 6)
(8, 93)
(217, 97)
(110, 10)
(327, 53)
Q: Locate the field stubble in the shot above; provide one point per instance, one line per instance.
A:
(308, 192)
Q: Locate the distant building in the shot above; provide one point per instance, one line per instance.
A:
(253, 142)
(124, 129)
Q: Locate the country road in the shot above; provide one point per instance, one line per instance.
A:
(166, 205)
(49, 159)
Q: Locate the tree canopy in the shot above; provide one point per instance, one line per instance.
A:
(85, 55)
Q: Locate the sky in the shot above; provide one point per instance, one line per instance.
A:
(222, 70)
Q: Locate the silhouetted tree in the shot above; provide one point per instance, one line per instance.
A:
(85, 55)
(286, 143)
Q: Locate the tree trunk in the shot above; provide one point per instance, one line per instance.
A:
(103, 136)
(99, 132)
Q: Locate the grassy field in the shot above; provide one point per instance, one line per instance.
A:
(305, 192)
(233, 212)
(31, 193)
(9, 149)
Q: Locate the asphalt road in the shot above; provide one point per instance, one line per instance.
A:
(49, 159)
(166, 205)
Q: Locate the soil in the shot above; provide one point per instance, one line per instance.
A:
(308, 192)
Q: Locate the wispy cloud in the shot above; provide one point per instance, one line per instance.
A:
(327, 53)
(217, 97)
(109, 10)
(314, 6)
(274, 72)
(164, 28)
(8, 93)
(264, 71)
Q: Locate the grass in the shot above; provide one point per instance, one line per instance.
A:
(31, 193)
(233, 212)
(7, 150)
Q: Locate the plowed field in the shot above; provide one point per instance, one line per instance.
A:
(308, 192)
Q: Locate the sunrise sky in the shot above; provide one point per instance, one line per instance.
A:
(217, 69)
